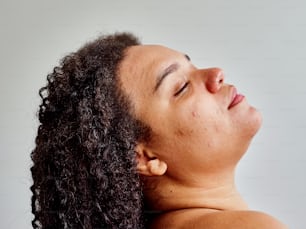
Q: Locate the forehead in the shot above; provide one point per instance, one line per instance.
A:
(145, 61)
(149, 52)
(141, 66)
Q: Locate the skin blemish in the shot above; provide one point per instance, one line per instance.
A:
(195, 114)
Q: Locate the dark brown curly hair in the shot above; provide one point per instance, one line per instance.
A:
(84, 166)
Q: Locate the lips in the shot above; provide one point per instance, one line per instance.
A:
(236, 98)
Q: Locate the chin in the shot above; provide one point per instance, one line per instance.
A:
(256, 121)
(250, 123)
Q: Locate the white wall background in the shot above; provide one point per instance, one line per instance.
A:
(260, 44)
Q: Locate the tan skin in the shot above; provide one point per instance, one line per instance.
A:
(199, 135)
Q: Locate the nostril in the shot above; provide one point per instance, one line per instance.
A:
(219, 76)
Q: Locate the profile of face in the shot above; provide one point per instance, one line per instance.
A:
(200, 124)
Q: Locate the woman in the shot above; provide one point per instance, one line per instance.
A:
(135, 134)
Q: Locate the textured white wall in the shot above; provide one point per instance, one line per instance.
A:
(259, 44)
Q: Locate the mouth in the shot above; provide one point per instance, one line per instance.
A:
(236, 98)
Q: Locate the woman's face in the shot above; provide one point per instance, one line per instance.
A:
(199, 123)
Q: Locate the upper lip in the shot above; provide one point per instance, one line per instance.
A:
(233, 95)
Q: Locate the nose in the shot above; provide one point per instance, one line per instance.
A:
(213, 79)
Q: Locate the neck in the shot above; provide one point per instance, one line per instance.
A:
(212, 192)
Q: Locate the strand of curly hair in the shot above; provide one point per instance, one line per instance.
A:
(84, 163)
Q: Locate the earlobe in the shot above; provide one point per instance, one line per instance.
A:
(147, 163)
(157, 167)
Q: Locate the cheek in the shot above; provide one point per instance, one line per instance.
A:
(212, 128)
(198, 126)
(208, 117)
(179, 121)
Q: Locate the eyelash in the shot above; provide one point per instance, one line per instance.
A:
(181, 89)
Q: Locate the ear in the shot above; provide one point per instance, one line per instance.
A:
(148, 163)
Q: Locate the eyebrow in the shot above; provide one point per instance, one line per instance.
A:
(170, 69)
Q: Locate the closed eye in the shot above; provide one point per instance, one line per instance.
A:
(182, 89)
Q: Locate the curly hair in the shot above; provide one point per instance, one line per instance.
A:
(84, 165)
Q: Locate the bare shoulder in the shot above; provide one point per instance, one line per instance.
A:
(199, 219)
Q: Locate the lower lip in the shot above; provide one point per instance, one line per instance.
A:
(238, 98)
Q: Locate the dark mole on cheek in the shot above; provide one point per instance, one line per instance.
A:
(179, 132)
(183, 132)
